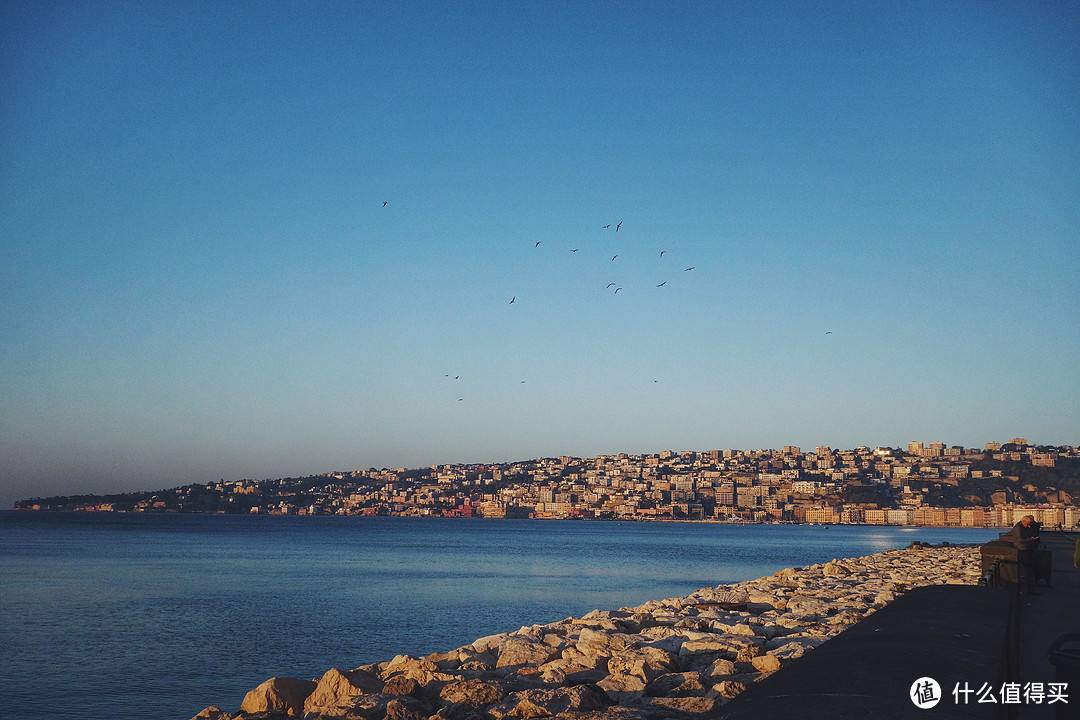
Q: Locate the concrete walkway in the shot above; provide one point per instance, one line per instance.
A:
(1044, 616)
(962, 636)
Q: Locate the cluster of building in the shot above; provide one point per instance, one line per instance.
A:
(930, 485)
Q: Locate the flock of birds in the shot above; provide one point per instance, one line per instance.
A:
(614, 287)
(617, 287)
(613, 258)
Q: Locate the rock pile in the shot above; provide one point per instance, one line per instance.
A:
(674, 658)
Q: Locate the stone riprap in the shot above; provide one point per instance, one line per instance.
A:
(674, 658)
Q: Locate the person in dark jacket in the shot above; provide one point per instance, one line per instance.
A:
(1025, 537)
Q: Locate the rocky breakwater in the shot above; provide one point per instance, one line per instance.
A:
(674, 658)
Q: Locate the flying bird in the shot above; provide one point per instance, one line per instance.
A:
(537, 244)
(574, 250)
(610, 284)
(614, 256)
(513, 299)
(607, 226)
(662, 284)
(618, 289)
(618, 226)
(662, 253)
(690, 268)
(384, 203)
(829, 332)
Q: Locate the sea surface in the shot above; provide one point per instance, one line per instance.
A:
(154, 616)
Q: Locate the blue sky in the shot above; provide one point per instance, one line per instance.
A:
(263, 239)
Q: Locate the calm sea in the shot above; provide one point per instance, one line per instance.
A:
(158, 616)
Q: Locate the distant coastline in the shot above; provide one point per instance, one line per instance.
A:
(920, 486)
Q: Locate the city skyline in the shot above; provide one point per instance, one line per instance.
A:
(924, 485)
(262, 240)
(918, 463)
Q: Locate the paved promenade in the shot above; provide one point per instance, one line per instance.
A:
(962, 636)
(1045, 615)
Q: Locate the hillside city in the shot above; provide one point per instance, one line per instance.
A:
(927, 485)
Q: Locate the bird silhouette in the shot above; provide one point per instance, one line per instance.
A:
(618, 226)
(618, 289)
(384, 203)
(537, 244)
(574, 250)
(829, 332)
(614, 256)
(662, 253)
(607, 226)
(610, 284)
(690, 268)
(513, 299)
(662, 284)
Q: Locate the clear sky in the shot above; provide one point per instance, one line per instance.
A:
(264, 239)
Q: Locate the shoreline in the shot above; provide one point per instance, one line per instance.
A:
(672, 658)
(784, 523)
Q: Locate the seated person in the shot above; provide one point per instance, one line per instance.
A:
(1025, 536)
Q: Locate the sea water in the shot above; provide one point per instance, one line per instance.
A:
(152, 616)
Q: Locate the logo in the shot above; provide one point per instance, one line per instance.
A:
(925, 693)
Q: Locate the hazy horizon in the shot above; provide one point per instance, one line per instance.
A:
(250, 240)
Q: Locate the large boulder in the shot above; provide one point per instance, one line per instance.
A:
(548, 702)
(489, 643)
(378, 706)
(727, 689)
(213, 713)
(667, 707)
(790, 648)
(803, 606)
(720, 645)
(720, 668)
(279, 694)
(475, 693)
(408, 665)
(594, 642)
(402, 710)
(836, 569)
(520, 652)
(336, 689)
(766, 663)
(574, 671)
(684, 684)
(623, 688)
(646, 662)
